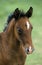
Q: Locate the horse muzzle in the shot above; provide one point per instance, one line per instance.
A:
(29, 50)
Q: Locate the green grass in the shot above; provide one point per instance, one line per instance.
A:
(8, 6)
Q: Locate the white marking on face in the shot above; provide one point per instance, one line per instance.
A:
(30, 49)
(28, 25)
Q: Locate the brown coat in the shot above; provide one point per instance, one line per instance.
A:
(11, 53)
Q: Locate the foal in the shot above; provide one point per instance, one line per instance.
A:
(15, 41)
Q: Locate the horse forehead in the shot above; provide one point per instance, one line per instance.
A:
(27, 24)
(23, 22)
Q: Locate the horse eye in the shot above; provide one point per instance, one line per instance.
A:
(20, 31)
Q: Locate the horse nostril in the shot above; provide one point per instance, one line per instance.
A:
(27, 49)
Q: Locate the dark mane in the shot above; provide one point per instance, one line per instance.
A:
(17, 14)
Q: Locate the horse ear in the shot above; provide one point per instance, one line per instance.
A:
(16, 13)
(29, 12)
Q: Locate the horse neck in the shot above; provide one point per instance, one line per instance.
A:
(10, 33)
(10, 27)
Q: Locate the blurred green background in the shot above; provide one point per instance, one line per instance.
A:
(8, 6)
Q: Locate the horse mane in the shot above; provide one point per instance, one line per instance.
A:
(17, 14)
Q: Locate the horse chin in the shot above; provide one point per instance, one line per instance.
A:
(27, 53)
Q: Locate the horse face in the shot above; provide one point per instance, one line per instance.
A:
(23, 29)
